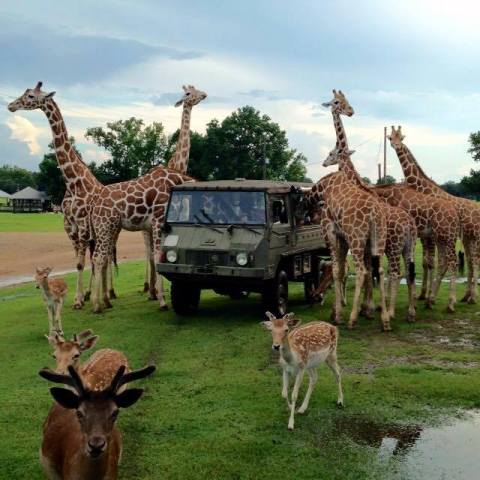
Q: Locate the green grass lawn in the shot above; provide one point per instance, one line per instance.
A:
(30, 222)
(213, 408)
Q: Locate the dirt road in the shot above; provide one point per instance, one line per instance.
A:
(20, 253)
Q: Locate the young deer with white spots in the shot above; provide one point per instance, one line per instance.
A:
(303, 348)
(98, 371)
(80, 439)
(54, 292)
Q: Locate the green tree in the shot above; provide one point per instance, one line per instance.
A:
(134, 148)
(474, 149)
(14, 178)
(386, 180)
(367, 180)
(471, 184)
(238, 145)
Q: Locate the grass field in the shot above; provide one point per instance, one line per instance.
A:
(30, 222)
(213, 408)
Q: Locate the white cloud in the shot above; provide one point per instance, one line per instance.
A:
(24, 131)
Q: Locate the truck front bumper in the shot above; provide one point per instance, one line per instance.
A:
(177, 270)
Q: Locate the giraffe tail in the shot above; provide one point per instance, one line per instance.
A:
(376, 269)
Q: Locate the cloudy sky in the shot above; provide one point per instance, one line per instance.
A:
(414, 63)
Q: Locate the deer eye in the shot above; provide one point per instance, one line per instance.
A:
(53, 356)
(114, 415)
(77, 355)
(80, 415)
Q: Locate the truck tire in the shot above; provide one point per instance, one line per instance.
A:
(275, 294)
(185, 297)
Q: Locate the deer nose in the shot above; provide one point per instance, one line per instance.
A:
(96, 445)
(276, 347)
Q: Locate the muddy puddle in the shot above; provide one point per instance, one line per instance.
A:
(448, 451)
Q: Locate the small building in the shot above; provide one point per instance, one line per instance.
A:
(5, 202)
(29, 200)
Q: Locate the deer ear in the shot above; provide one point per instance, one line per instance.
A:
(88, 343)
(292, 322)
(65, 398)
(50, 95)
(128, 397)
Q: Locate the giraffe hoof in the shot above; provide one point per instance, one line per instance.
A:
(471, 301)
(146, 287)
(411, 318)
(422, 296)
(108, 305)
(153, 296)
(386, 328)
(78, 305)
(97, 310)
(112, 294)
(429, 305)
(163, 307)
(86, 298)
(351, 326)
(340, 404)
(450, 309)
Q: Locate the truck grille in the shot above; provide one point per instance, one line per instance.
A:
(195, 257)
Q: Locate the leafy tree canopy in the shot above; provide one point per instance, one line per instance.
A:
(386, 180)
(237, 146)
(133, 147)
(474, 149)
(14, 178)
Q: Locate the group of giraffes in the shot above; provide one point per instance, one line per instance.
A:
(371, 221)
(94, 214)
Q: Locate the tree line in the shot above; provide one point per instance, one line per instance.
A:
(245, 144)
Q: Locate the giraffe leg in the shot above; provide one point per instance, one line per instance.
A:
(156, 224)
(147, 279)
(360, 272)
(79, 296)
(475, 263)
(383, 300)
(410, 277)
(151, 268)
(368, 306)
(470, 267)
(337, 309)
(86, 297)
(428, 256)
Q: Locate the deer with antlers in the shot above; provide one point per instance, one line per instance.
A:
(54, 292)
(80, 439)
(303, 348)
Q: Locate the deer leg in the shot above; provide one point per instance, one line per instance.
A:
(285, 385)
(296, 388)
(331, 361)
(51, 325)
(313, 377)
(58, 316)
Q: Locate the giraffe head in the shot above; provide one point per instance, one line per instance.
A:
(339, 104)
(396, 137)
(191, 97)
(32, 99)
(336, 155)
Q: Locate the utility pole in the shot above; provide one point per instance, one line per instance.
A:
(384, 152)
(379, 171)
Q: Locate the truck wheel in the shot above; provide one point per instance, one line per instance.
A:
(185, 297)
(275, 294)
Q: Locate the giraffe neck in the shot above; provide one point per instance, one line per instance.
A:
(179, 160)
(77, 176)
(339, 130)
(414, 175)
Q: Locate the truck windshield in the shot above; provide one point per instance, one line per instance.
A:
(222, 207)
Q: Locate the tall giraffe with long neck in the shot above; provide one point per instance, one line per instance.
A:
(135, 205)
(81, 184)
(179, 159)
(401, 229)
(468, 210)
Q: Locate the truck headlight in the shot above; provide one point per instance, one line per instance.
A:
(242, 259)
(172, 256)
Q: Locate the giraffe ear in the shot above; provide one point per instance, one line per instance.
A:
(350, 152)
(50, 95)
(177, 104)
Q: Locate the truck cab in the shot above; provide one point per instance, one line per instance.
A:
(239, 236)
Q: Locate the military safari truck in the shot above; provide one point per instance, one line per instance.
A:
(239, 236)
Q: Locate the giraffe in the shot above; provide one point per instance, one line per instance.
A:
(179, 159)
(401, 229)
(355, 220)
(437, 224)
(81, 184)
(468, 210)
(138, 205)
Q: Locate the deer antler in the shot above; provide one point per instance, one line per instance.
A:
(121, 378)
(73, 379)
